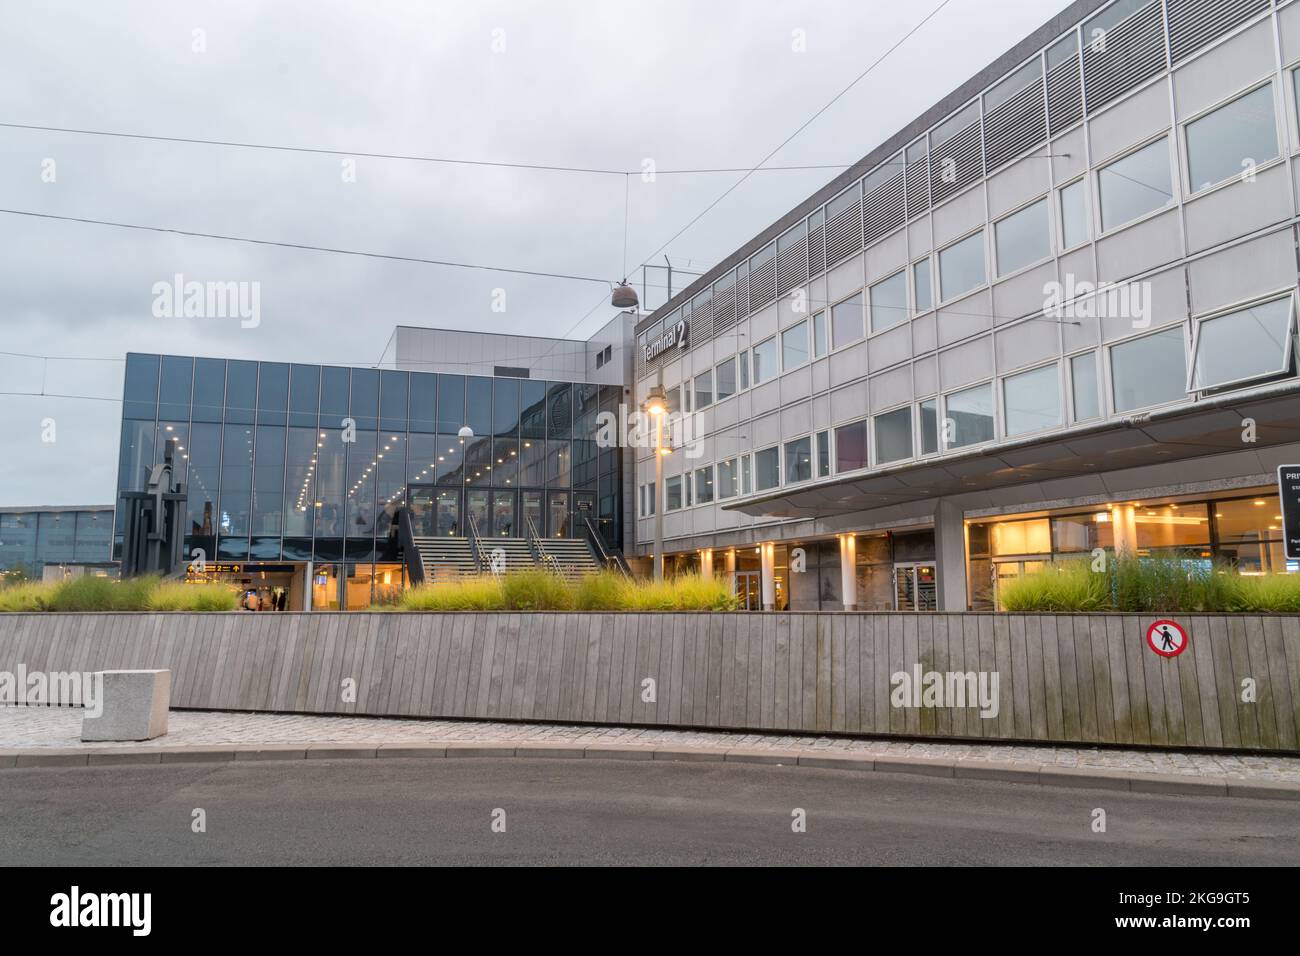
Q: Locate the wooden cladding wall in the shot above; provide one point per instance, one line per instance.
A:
(1066, 678)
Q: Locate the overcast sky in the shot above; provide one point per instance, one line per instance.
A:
(600, 83)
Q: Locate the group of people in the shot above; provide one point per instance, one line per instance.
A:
(268, 601)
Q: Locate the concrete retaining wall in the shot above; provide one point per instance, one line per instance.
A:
(1067, 678)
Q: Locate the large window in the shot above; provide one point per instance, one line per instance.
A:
(703, 390)
(1083, 381)
(798, 460)
(1033, 400)
(969, 416)
(729, 479)
(1226, 142)
(1022, 238)
(673, 493)
(894, 435)
(1074, 214)
(1135, 185)
(764, 360)
(929, 426)
(961, 267)
(767, 468)
(726, 379)
(704, 485)
(819, 334)
(889, 302)
(847, 321)
(1242, 346)
(1149, 371)
(794, 346)
(851, 446)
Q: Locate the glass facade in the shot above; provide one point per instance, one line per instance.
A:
(287, 462)
(31, 538)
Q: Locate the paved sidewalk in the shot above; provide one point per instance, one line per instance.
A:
(31, 729)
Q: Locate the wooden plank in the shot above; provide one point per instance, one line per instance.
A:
(1067, 678)
(1053, 693)
(1239, 657)
(1013, 716)
(767, 665)
(754, 671)
(852, 625)
(1031, 629)
(1265, 712)
(1291, 646)
(1148, 668)
(923, 625)
(1283, 703)
(1189, 692)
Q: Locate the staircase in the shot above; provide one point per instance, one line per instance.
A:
(518, 555)
(446, 558)
(570, 557)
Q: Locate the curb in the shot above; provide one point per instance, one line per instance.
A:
(1090, 778)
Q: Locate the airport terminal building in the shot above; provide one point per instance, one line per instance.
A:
(1055, 313)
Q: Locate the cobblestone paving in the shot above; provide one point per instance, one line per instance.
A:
(25, 727)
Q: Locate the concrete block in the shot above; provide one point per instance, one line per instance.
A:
(412, 750)
(458, 749)
(1005, 771)
(619, 752)
(52, 758)
(339, 751)
(1091, 778)
(787, 758)
(198, 755)
(550, 750)
(1264, 789)
(133, 706)
(937, 767)
(1178, 784)
(833, 761)
(271, 752)
(114, 758)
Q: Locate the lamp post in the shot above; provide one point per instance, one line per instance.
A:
(656, 406)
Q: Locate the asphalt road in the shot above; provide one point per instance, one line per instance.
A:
(607, 812)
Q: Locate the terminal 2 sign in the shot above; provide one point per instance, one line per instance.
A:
(675, 335)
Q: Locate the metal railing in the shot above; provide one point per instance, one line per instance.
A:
(541, 556)
(607, 559)
(475, 548)
(411, 556)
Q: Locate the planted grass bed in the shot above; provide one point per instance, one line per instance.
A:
(1150, 585)
(106, 594)
(536, 590)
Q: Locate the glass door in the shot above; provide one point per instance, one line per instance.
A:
(532, 511)
(914, 587)
(419, 499)
(557, 514)
(503, 516)
(476, 505)
(447, 512)
(749, 588)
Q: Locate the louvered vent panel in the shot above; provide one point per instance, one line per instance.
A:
(816, 250)
(702, 322)
(1134, 51)
(882, 211)
(1194, 23)
(724, 309)
(1064, 96)
(742, 297)
(844, 234)
(918, 188)
(762, 285)
(947, 178)
(792, 267)
(1017, 125)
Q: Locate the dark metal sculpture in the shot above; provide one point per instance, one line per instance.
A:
(154, 517)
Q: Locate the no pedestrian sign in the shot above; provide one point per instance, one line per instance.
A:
(1167, 638)
(1288, 489)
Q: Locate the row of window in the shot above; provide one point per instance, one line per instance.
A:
(1240, 346)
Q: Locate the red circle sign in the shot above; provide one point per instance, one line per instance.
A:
(1167, 638)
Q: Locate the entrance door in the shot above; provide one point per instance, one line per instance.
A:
(532, 512)
(503, 516)
(914, 587)
(446, 509)
(584, 506)
(557, 514)
(420, 500)
(749, 588)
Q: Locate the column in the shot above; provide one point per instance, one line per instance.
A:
(849, 571)
(767, 556)
(706, 562)
(730, 563)
(950, 556)
(1123, 519)
(306, 586)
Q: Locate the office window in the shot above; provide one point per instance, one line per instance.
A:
(823, 454)
(726, 379)
(1083, 383)
(704, 485)
(970, 413)
(798, 460)
(794, 346)
(673, 493)
(764, 360)
(1074, 214)
(703, 390)
(746, 475)
(851, 447)
(889, 302)
(819, 334)
(1033, 400)
(1022, 238)
(1149, 371)
(922, 286)
(1241, 346)
(847, 323)
(929, 426)
(675, 398)
(767, 468)
(961, 267)
(894, 435)
(728, 479)
(743, 358)
(1221, 145)
(1135, 185)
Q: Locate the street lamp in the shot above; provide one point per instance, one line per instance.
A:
(656, 406)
